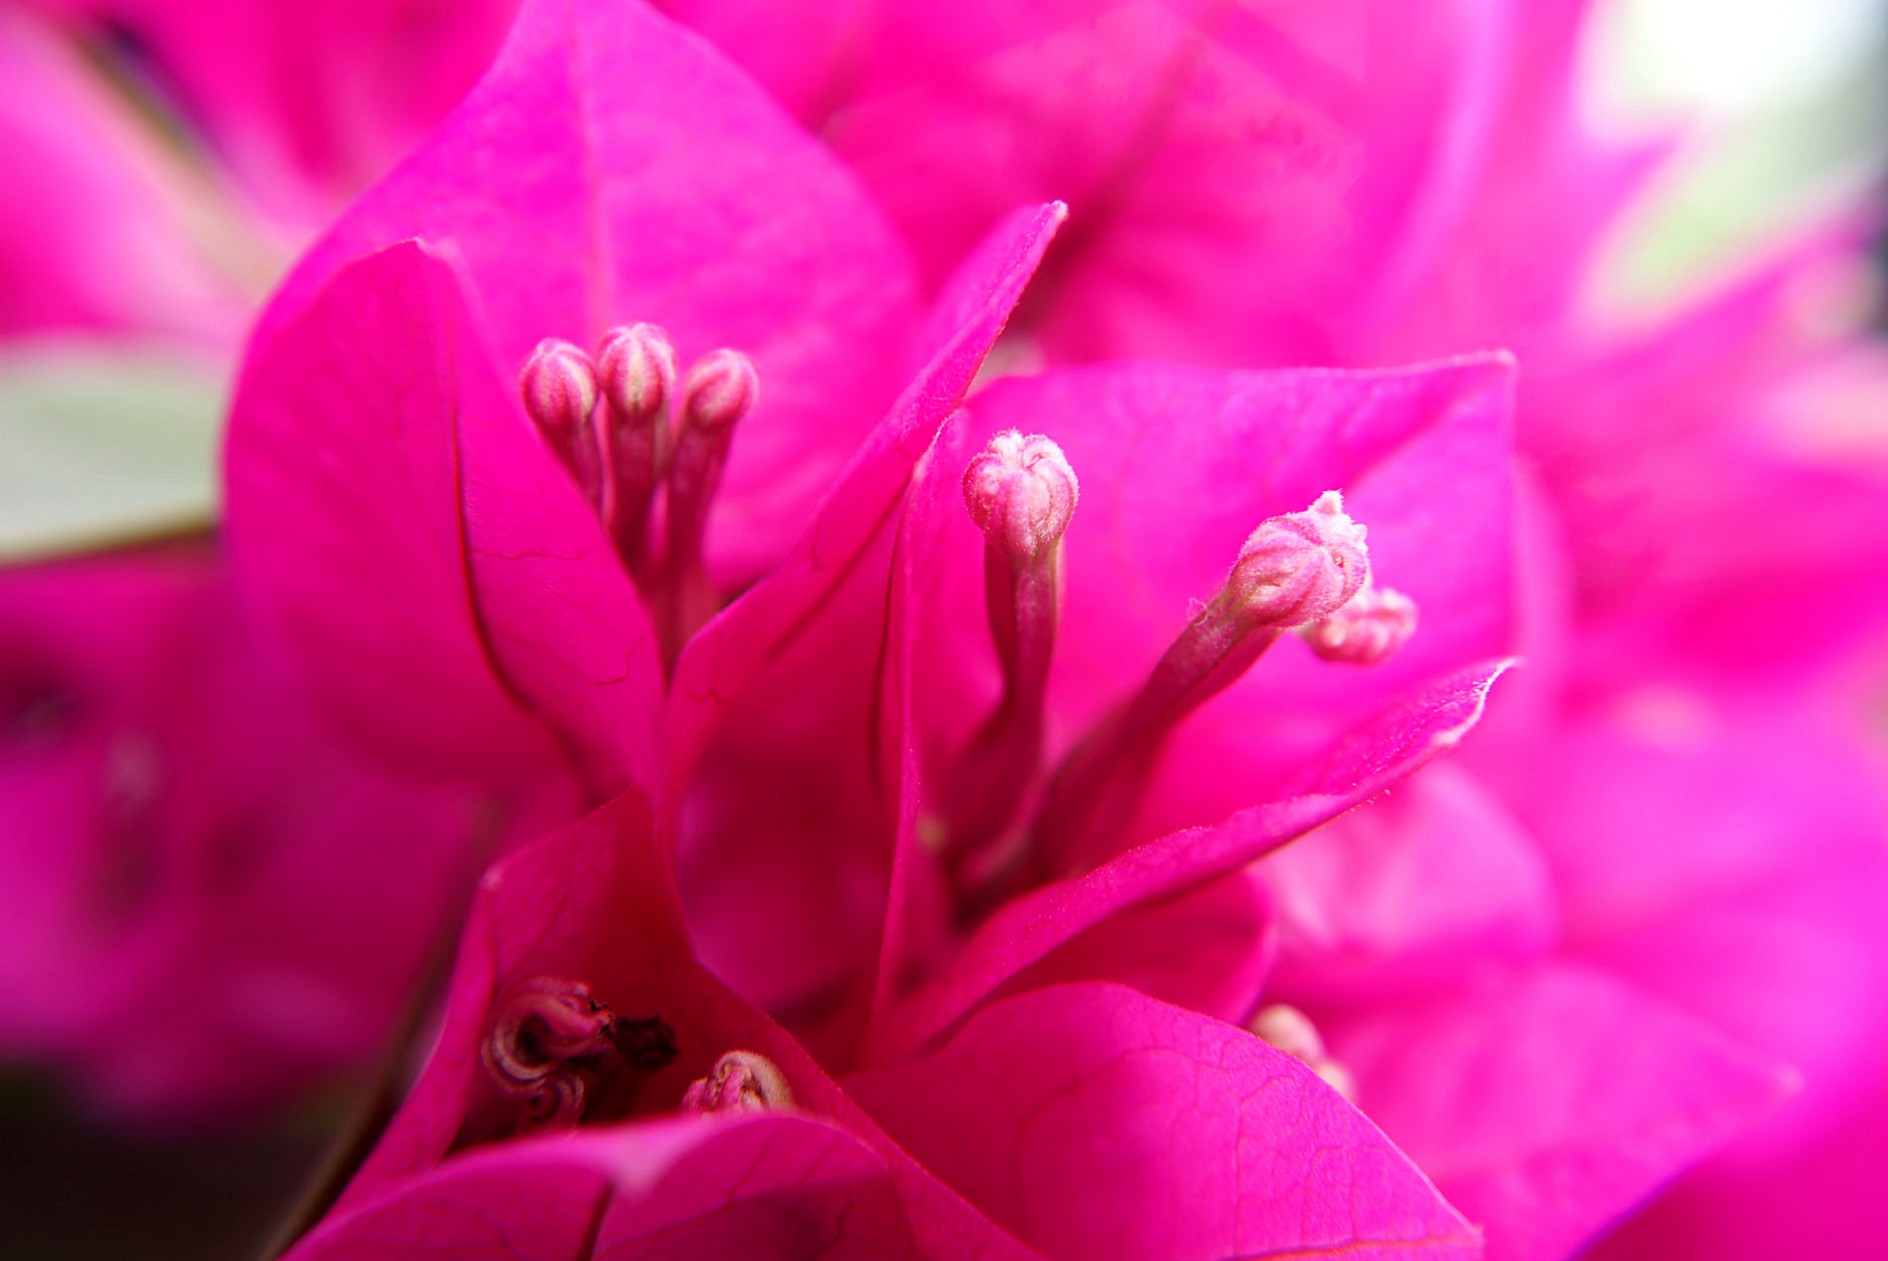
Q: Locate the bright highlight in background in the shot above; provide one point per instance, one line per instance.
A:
(1776, 111)
(1735, 57)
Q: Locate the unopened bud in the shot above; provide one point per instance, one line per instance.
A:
(1291, 1031)
(1300, 566)
(1338, 1078)
(559, 385)
(1376, 622)
(1288, 1029)
(722, 387)
(740, 1081)
(1021, 492)
(636, 370)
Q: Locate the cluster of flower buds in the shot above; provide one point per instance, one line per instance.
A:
(642, 450)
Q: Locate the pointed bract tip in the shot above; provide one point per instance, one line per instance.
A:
(722, 387)
(1301, 566)
(636, 370)
(559, 386)
(740, 1081)
(1021, 492)
(1369, 629)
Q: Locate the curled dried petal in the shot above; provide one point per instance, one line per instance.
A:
(740, 1081)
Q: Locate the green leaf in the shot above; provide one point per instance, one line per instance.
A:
(103, 445)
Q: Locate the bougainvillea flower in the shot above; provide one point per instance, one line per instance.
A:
(896, 915)
(1654, 850)
(1164, 457)
(786, 833)
(1582, 1134)
(1252, 184)
(1108, 1110)
(1749, 887)
(384, 469)
(580, 999)
(1471, 200)
(1662, 564)
(1400, 186)
(443, 484)
(462, 463)
(179, 834)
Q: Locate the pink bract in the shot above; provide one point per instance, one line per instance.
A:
(179, 834)
(1012, 968)
(721, 221)
(790, 753)
(1263, 184)
(558, 906)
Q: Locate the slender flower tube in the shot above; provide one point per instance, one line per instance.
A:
(636, 371)
(1022, 494)
(1293, 570)
(559, 386)
(719, 391)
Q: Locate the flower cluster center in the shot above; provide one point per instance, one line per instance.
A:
(648, 451)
